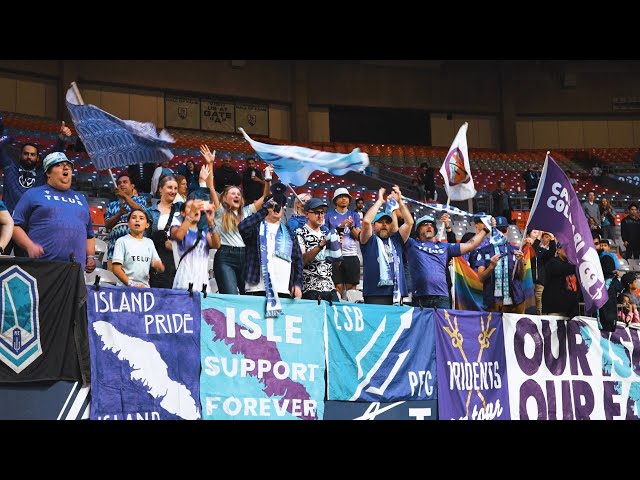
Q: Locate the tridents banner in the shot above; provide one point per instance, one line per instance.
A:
(43, 333)
(472, 373)
(456, 169)
(556, 209)
(145, 355)
(568, 369)
(380, 353)
(262, 368)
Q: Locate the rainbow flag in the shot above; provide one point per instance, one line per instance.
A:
(527, 282)
(468, 287)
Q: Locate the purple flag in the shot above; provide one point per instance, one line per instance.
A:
(556, 209)
(472, 371)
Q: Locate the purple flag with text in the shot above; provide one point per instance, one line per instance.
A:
(294, 164)
(112, 142)
(556, 209)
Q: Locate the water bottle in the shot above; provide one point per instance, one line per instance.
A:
(267, 173)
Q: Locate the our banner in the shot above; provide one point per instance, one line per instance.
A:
(145, 356)
(556, 209)
(294, 164)
(456, 169)
(380, 353)
(112, 142)
(43, 334)
(472, 373)
(561, 369)
(262, 368)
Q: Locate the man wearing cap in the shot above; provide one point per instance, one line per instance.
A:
(428, 262)
(501, 270)
(561, 291)
(382, 245)
(348, 222)
(317, 280)
(53, 221)
(273, 255)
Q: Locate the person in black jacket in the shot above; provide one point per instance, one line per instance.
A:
(531, 179)
(544, 246)
(630, 230)
(561, 292)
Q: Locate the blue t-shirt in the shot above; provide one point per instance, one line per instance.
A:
(371, 267)
(57, 220)
(17, 180)
(333, 218)
(427, 263)
(296, 221)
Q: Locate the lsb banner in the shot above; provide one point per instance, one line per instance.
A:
(145, 362)
(262, 368)
(402, 410)
(380, 353)
(561, 369)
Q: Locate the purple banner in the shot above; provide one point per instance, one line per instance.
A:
(472, 376)
(556, 209)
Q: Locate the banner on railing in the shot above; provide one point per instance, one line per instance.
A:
(380, 353)
(472, 375)
(145, 356)
(262, 368)
(561, 369)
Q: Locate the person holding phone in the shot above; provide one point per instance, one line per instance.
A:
(501, 270)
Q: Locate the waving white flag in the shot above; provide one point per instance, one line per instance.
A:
(456, 169)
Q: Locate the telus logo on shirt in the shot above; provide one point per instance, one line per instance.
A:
(48, 196)
(435, 250)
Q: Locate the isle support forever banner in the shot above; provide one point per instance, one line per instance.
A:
(145, 357)
(262, 368)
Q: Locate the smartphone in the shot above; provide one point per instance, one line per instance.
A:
(340, 230)
(502, 255)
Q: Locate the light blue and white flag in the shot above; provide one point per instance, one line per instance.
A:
(294, 164)
(392, 204)
(112, 142)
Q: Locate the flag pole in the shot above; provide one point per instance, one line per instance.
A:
(294, 192)
(76, 92)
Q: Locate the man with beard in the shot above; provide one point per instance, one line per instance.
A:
(52, 221)
(25, 174)
(381, 242)
(252, 182)
(316, 272)
(428, 262)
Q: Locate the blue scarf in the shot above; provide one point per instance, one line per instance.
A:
(501, 288)
(284, 246)
(389, 264)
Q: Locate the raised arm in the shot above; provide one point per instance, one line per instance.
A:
(7, 228)
(474, 242)
(367, 221)
(407, 226)
(209, 157)
(265, 192)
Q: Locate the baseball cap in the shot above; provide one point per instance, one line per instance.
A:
(426, 219)
(53, 159)
(314, 203)
(338, 192)
(477, 218)
(381, 215)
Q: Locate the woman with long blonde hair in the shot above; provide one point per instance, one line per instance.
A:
(230, 210)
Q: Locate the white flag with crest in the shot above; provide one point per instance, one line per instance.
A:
(456, 170)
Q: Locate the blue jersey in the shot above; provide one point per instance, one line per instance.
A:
(428, 263)
(371, 267)
(57, 220)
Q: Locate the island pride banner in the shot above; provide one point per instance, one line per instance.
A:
(562, 369)
(262, 368)
(378, 353)
(145, 358)
(472, 373)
